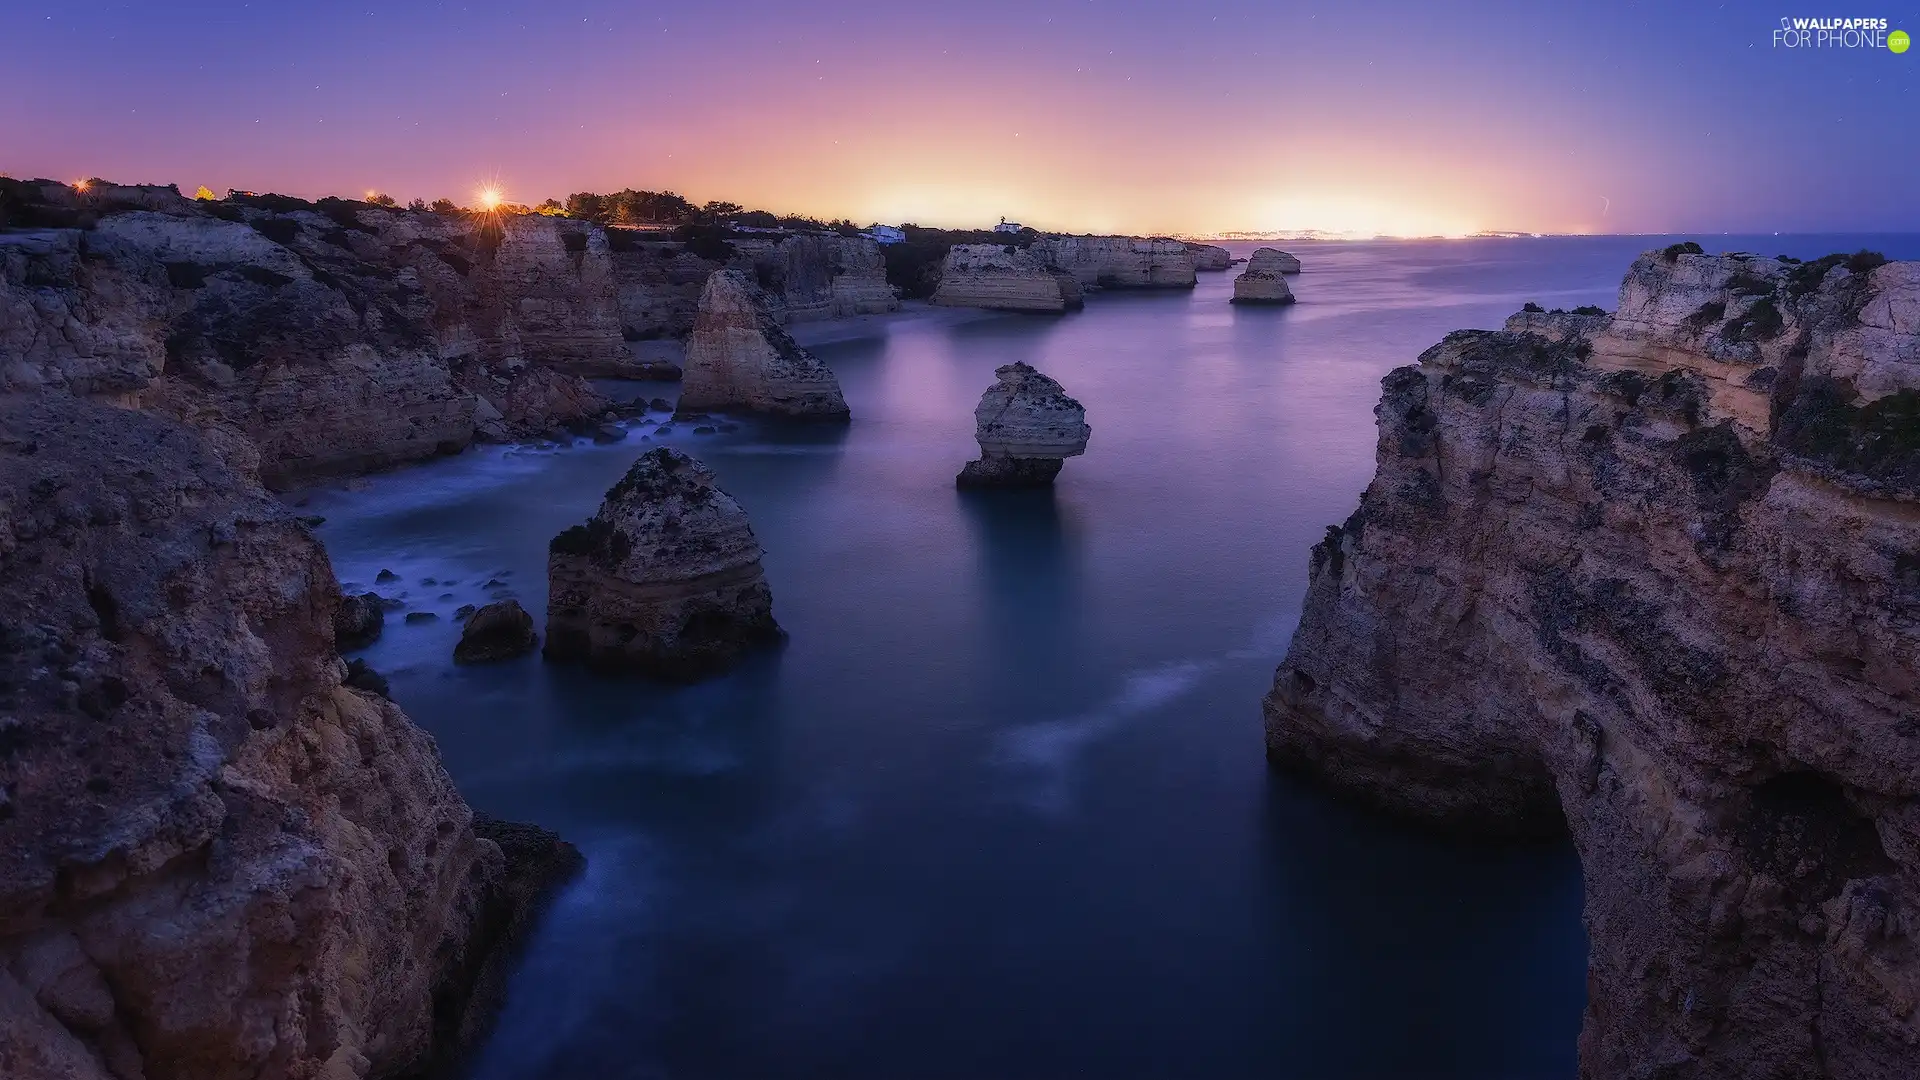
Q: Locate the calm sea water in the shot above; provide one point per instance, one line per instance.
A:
(999, 808)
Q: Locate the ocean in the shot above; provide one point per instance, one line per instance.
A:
(999, 806)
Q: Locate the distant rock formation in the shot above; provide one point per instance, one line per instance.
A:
(1261, 282)
(1656, 576)
(829, 277)
(1004, 279)
(339, 337)
(499, 631)
(216, 858)
(1027, 427)
(740, 358)
(1118, 262)
(805, 277)
(663, 580)
(1210, 257)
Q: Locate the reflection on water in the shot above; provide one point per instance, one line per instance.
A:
(998, 808)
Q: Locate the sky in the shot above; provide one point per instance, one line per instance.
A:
(1404, 117)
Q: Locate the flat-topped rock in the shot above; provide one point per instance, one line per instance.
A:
(664, 580)
(1262, 281)
(1026, 426)
(1210, 258)
(1119, 262)
(1003, 278)
(741, 359)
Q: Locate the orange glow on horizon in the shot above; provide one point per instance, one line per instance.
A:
(490, 198)
(81, 186)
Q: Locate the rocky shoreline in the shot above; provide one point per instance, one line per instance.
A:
(1649, 577)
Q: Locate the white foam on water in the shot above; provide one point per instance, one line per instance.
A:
(1049, 751)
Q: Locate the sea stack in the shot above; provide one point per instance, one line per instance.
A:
(741, 359)
(1654, 578)
(1210, 258)
(1119, 262)
(1027, 427)
(500, 631)
(1003, 278)
(1262, 282)
(664, 580)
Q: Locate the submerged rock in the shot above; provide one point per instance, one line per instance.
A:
(664, 580)
(358, 620)
(1003, 279)
(741, 358)
(1026, 426)
(218, 857)
(500, 631)
(1654, 578)
(1261, 282)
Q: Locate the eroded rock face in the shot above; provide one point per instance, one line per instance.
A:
(1118, 262)
(340, 338)
(664, 580)
(1209, 258)
(805, 277)
(1261, 282)
(1003, 279)
(1655, 576)
(216, 860)
(832, 277)
(740, 358)
(1027, 427)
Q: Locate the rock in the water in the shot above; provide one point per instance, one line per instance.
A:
(361, 676)
(741, 358)
(1261, 282)
(664, 580)
(1118, 262)
(500, 631)
(1657, 575)
(217, 858)
(1209, 257)
(609, 433)
(1026, 426)
(1003, 279)
(415, 617)
(357, 621)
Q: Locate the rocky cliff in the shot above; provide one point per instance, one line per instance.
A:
(805, 277)
(1118, 262)
(339, 337)
(663, 580)
(1262, 281)
(1004, 279)
(1027, 427)
(1210, 257)
(1657, 576)
(740, 358)
(216, 860)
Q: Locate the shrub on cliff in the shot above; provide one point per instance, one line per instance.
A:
(707, 241)
(1879, 440)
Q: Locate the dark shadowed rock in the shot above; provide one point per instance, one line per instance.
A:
(1026, 426)
(500, 631)
(357, 621)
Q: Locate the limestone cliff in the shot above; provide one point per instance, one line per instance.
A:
(1209, 258)
(1027, 427)
(740, 358)
(663, 580)
(1658, 576)
(809, 276)
(1118, 262)
(1261, 282)
(216, 860)
(1004, 279)
(338, 337)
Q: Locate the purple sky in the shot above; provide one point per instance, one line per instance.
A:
(1197, 116)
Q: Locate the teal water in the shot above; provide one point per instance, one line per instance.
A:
(999, 807)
